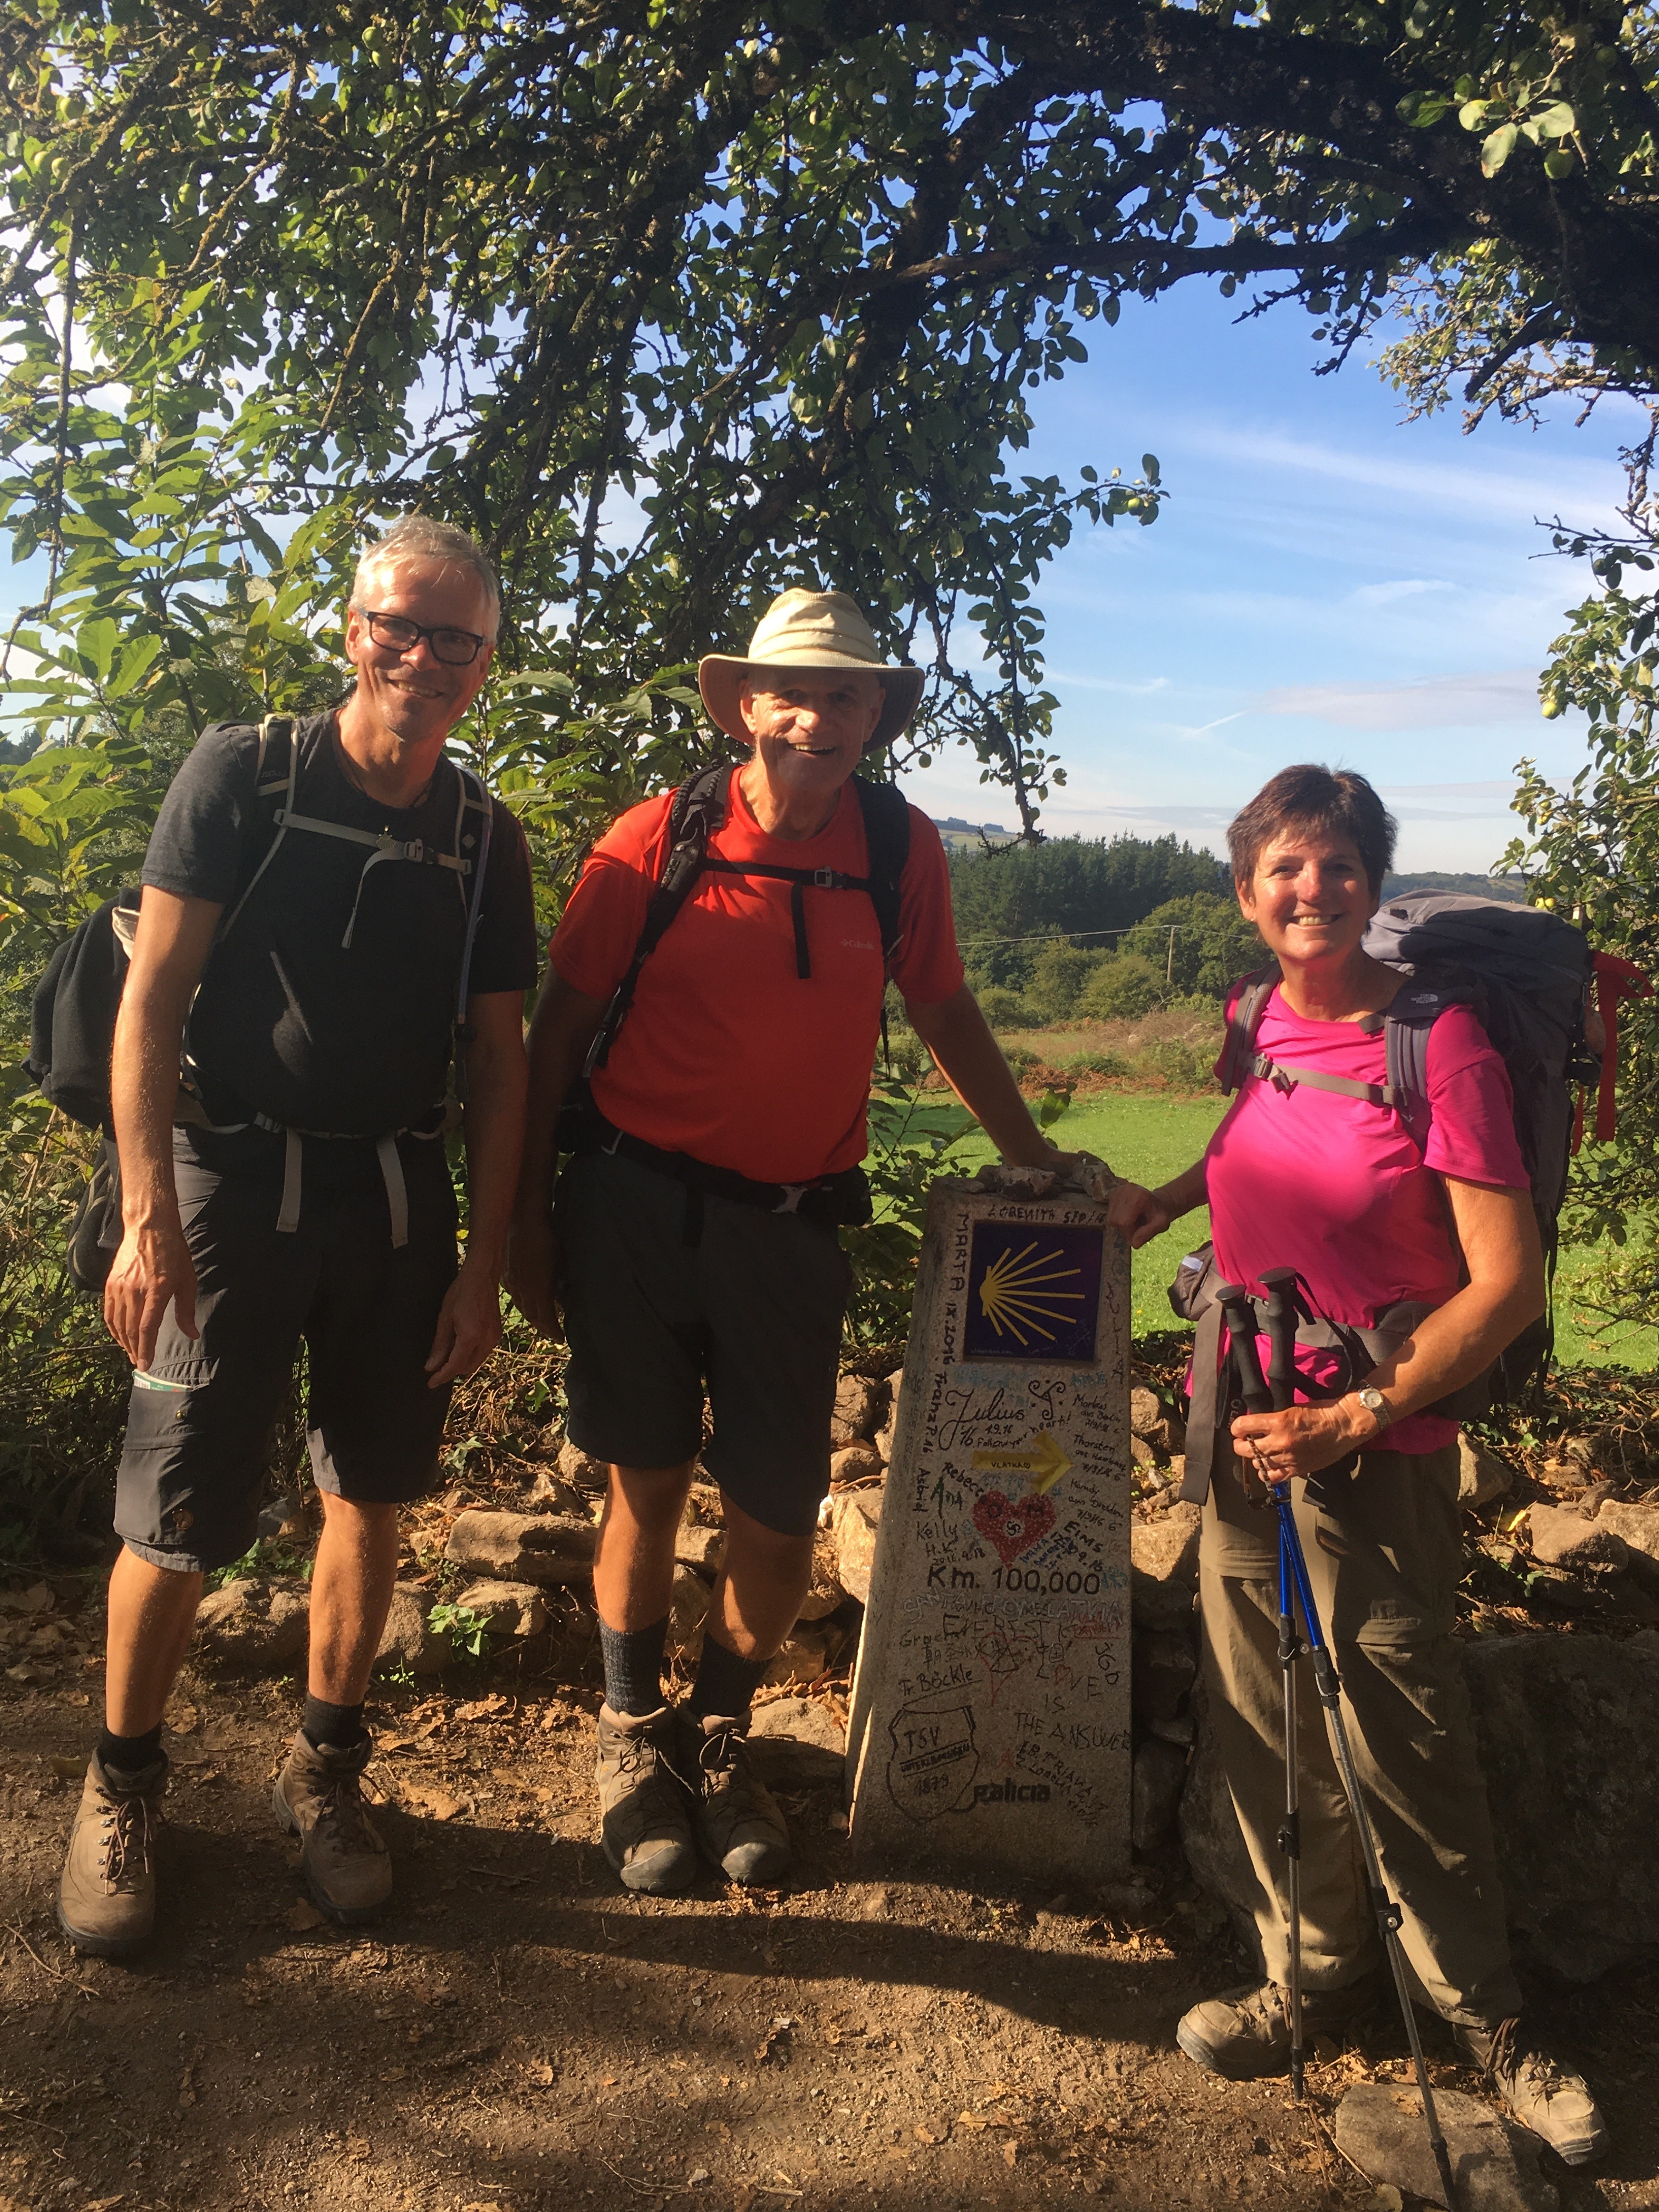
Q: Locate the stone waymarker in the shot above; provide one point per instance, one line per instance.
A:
(990, 1720)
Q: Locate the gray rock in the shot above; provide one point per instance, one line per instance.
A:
(883, 1440)
(283, 1515)
(859, 1463)
(1158, 1777)
(688, 1609)
(1637, 1529)
(860, 1409)
(1380, 2126)
(406, 1640)
(591, 1476)
(1164, 1665)
(1562, 1537)
(1480, 1478)
(1164, 1568)
(1568, 1733)
(247, 1627)
(523, 1547)
(824, 1592)
(511, 1609)
(697, 1545)
(798, 1739)
(1146, 1413)
(854, 1516)
(806, 1657)
(554, 1495)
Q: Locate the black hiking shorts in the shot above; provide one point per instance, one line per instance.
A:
(660, 1306)
(193, 1470)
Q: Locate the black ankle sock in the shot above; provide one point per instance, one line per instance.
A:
(339, 1725)
(633, 1666)
(130, 1753)
(725, 1684)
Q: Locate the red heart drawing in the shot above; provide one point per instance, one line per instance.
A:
(1011, 1526)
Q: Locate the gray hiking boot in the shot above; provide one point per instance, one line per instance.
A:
(318, 1797)
(1544, 2095)
(106, 1892)
(1245, 2034)
(738, 1823)
(645, 1813)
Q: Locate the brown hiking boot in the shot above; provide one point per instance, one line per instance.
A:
(106, 1892)
(738, 1823)
(1246, 2033)
(645, 1817)
(319, 1797)
(1544, 2095)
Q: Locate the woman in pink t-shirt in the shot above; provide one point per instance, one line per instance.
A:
(1330, 1183)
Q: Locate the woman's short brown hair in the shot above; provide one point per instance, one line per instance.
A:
(1311, 797)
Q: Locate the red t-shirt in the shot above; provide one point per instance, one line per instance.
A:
(1336, 1188)
(727, 1054)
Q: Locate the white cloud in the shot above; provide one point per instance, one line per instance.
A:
(1432, 702)
(1577, 490)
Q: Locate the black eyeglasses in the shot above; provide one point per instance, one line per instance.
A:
(396, 634)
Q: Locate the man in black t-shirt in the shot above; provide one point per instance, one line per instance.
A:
(313, 911)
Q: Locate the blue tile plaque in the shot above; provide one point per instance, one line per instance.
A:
(1033, 1292)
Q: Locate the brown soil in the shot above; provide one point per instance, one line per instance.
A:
(518, 2032)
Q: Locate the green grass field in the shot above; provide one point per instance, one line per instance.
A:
(1151, 1135)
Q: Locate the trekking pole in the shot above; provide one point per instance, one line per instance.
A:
(1279, 1284)
(1234, 1303)
(1293, 1564)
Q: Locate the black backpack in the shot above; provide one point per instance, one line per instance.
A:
(73, 1013)
(697, 810)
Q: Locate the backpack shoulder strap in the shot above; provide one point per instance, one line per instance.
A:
(694, 813)
(1415, 1009)
(887, 835)
(275, 769)
(1239, 1049)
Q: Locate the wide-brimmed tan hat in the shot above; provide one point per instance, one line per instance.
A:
(811, 630)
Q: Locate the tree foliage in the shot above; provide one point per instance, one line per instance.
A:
(1007, 898)
(675, 305)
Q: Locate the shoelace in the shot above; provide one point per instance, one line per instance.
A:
(1511, 2060)
(127, 1819)
(340, 1805)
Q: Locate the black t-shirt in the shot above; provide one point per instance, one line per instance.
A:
(290, 1021)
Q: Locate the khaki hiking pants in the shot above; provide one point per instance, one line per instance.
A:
(1384, 1559)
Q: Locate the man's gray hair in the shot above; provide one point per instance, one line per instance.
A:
(423, 538)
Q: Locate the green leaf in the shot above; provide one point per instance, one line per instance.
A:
(1496, 149)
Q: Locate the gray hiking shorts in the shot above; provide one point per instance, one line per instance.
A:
(750, 1312)
(194, 1467)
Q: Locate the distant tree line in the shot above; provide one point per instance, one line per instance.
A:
(1031, 918)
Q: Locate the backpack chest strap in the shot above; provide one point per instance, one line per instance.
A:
(823, 879)
(1285, 1079)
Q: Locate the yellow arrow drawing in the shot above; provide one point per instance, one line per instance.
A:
(1043, 1461)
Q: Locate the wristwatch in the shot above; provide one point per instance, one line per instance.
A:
(1376, 1406)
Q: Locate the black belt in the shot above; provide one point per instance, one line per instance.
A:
(832, 1201)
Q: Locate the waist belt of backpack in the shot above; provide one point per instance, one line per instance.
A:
(1362, 1349)
(190, 1114)
(833, 1200)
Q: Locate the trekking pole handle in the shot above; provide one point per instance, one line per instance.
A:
(1279, 1284)
(1235, 1303)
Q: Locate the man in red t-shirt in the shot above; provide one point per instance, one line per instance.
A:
(693, 1245)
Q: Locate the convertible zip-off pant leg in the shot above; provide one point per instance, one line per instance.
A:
(1384, 1558)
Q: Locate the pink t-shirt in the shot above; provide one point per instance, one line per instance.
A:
(1336, 1188)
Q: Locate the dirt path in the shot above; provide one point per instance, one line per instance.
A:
(517, 2033)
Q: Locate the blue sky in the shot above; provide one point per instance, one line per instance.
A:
(1326, 582)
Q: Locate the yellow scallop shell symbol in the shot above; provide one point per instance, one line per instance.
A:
(1022, 1291)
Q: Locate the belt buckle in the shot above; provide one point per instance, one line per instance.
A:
(823, 879)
